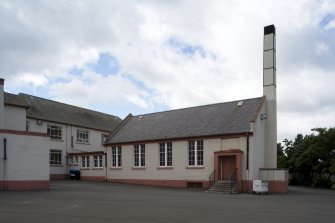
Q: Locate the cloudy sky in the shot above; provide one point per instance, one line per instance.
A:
(138, 57)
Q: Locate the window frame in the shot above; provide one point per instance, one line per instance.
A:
(196, 153)
(165, 154)
(55, 157)
(139, 155)
(85, 162)
(116, 156)
(83, 136)
(54, 131)
(104, 137)
(98, 161)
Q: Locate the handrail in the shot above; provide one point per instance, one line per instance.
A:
(233, 179)
(211, 178)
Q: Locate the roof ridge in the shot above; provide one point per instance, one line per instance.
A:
(74, 106)
(198, 106)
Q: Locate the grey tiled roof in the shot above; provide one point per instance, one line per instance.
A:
(209, 120)
(48, 110)
(12, 99)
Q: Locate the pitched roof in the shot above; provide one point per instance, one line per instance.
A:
(48, 110)
(208, 120)
(15, 100)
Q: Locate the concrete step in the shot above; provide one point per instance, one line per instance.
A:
(223, 187)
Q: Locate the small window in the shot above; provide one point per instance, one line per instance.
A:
(54, 131)
(104, 137)
(55, 157)
(98, 161)
(85, 161)
(82, 136)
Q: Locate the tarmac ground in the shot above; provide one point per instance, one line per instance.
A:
(80, 201)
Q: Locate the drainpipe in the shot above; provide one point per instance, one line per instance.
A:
(5, 163)
(248, 160)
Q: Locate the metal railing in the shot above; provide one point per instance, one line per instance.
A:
(233, 179)
(211, 178)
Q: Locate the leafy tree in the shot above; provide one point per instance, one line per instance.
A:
(311, 158)
(281, 157)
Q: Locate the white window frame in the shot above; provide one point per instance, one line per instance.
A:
(55, 157)
(198, 152)
(54, 131)
(83, 136)
(85, 161)
(165, 151)
(116, 156)
(139, 155)
(97, 161)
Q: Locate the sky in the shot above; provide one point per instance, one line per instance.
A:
(121, 57)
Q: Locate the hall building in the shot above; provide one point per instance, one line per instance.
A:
(229, 143)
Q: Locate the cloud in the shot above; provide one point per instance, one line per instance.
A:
(126, 56)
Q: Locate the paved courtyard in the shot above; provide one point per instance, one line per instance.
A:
(79, 201)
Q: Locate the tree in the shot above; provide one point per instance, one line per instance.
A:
(311, 158)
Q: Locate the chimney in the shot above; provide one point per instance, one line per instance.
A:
(2, 103)
(269, 91)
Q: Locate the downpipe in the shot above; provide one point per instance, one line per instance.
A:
(5, 163)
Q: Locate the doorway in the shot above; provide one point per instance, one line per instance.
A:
(227, 167)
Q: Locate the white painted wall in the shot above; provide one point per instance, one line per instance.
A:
(25, 161)
(15, 118)
(66, 145)
(2, 124)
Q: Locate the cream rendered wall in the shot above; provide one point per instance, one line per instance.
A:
(93, 171)
(180, 170)
(257, 147)
(15, 118)
(25, 161)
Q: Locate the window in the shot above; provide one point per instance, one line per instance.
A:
(85, 161)
(104, 137)
(55, 157)
(165, 154)
(195, 153)
(116, 156)
(98, 161)
(73, 160)
(82, 136)
(54, 131)
(139, 155)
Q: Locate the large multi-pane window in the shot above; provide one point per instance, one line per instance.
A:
(116, 156)
(85, 161)
(82, 136)
(55, 157)
(196, 153)
(165, 154)
(54, 131)
(139, 155)
(98, 161)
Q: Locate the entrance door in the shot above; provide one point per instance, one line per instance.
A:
(227, 167)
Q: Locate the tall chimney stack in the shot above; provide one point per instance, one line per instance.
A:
(269, 91)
